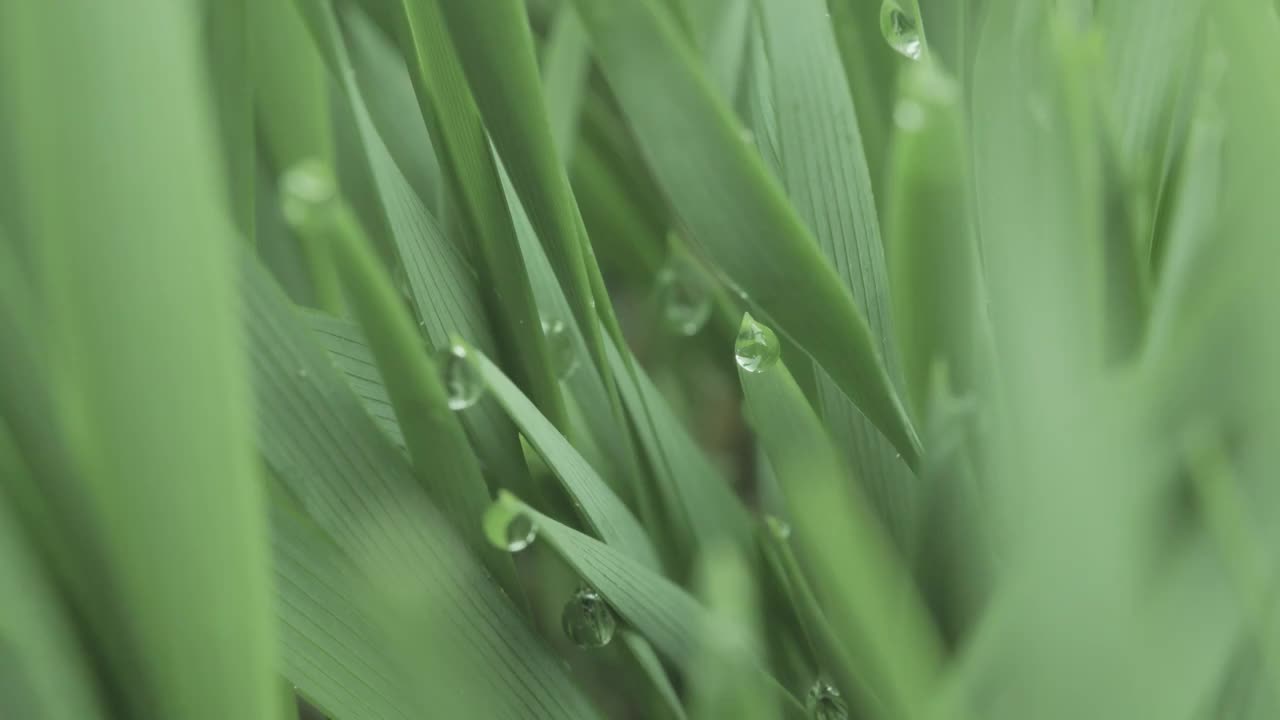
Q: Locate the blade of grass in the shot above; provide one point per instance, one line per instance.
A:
(450, 110)
(825, 174)
(134, 261)
(665, 614)
(732, 209)
(359, 489)
(597, 504)
(872, 603)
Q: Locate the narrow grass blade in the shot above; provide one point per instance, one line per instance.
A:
(731, 208)
(825, 174)
(599, 507)
(872, 605)
(665, 614)
(449, 107)
(566, 60)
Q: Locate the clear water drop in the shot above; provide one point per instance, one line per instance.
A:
(757, 347)
(587, 619)
(463, 383)
(507, 526)
(780, 528)
(684, 297)
(308, 195)
(901, 30)
(908, 115)
(564, 357)
(824, 702)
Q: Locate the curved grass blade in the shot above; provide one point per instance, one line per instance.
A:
(665, 614)
(360, 490)
(598, 506)
(723, 195)
(873, 607)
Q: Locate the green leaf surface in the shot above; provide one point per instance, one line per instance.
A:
(872, 605)
(134, 237)
(731, 208)
(599, 507)
(665, 614)
(824, 171)
(353, 483)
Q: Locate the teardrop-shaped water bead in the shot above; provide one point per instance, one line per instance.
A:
(684, 297)
(901, 30)
(757, 347)
(587, 619)
(507, 526)
(308, 195)
(564, 356)
(463, 383)
(824, 702)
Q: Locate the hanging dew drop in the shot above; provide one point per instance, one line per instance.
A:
(463, 383)
(757, 347)
(564, 357)
(824, 702)
(308, 195)
(901, 30)
(507, 526)
(684, 298)
(778, 527)
(587, 620)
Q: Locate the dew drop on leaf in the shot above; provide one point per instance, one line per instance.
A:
(824, 702)
(463, 383)
(507, 526)
(564, 357)
(900, 30)
(684, 297)
(756, 348)
(587, 620)
(308, 195)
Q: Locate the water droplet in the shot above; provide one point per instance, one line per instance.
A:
(824, 702)
(507, 526)
(462, 380)
(308, 195)
(908, 115)
(901, 30)
(564, 357)
(303, 373)
(756, 348)
(779, 527)
(587, 619)
(684, 296)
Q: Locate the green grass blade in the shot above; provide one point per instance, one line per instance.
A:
(825, 174)
(360, 490)
(448, 105)
(329, 647)
(443, 460)
(666, 615)
(871, 601)
(566, 60)
(135, 252)
(731, 208)
(598, 505)
(44, 670)
(934, 255)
